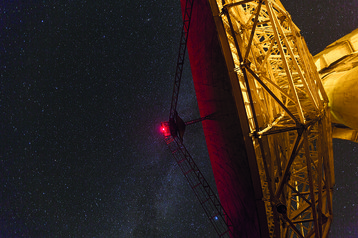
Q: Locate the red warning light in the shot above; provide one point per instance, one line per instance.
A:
(164, 128)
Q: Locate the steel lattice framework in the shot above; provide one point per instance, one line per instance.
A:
(287, 114)
(173, 131)
(205, 195)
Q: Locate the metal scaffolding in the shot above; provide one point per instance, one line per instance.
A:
(205, 195)
(287, 112)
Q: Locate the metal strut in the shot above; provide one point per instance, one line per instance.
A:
(206, 196)
(181, 56)
(197, 120)
(173, 131)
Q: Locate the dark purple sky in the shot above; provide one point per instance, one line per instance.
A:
(84, 85)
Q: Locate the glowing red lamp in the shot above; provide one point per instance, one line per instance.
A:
(164, 128)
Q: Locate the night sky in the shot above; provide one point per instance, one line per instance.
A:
(84, 87)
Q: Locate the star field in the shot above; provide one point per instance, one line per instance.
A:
(84, 87)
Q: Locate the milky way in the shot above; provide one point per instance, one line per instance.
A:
(84, 87)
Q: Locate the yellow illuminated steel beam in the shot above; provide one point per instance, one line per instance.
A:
(286, 113)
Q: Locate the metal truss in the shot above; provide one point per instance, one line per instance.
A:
(206, 196)
(287, 113)
(173, 131)
(181, 56)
